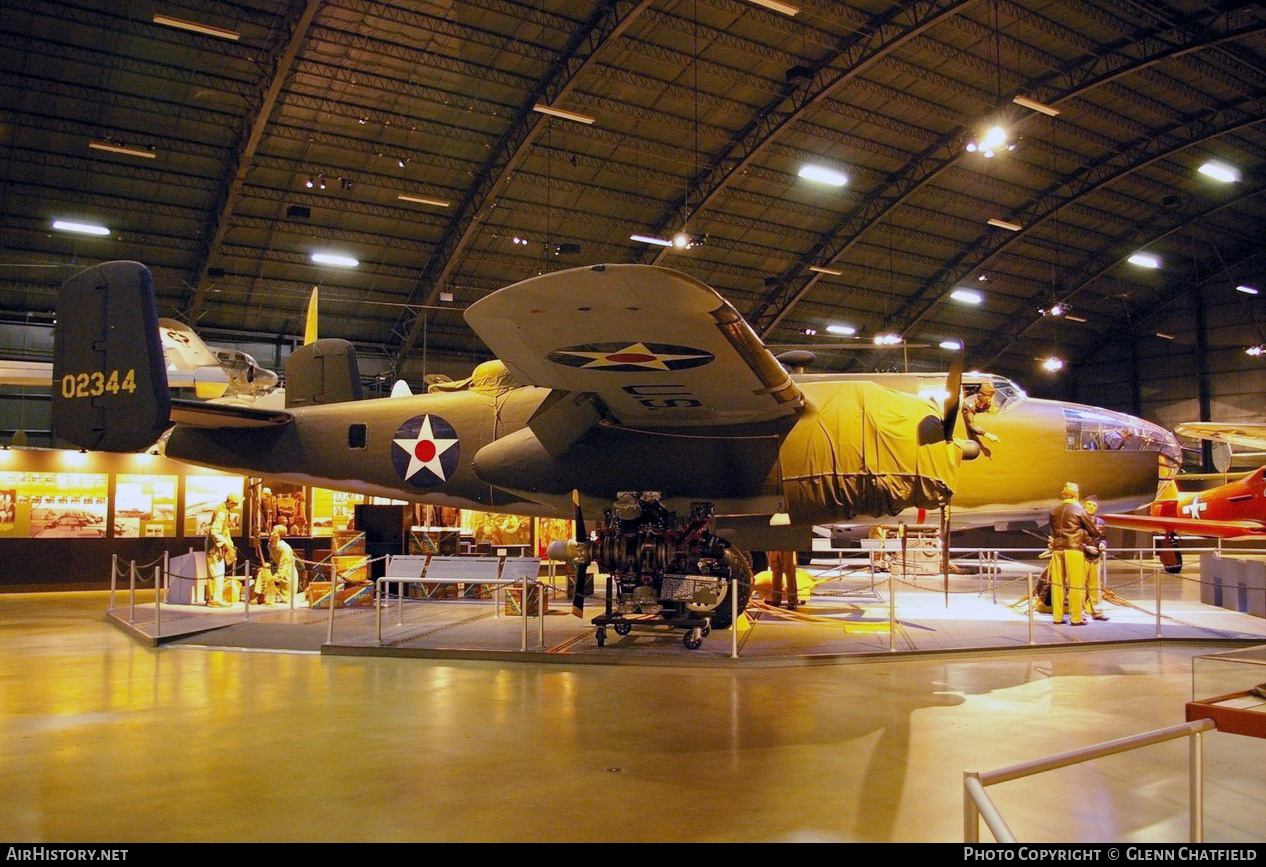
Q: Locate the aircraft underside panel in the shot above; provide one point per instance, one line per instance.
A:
(866, 450)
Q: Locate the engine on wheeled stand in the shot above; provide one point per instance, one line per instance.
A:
(662, 570)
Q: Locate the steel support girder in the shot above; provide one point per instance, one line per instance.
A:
(883, 35)
(1165, 223)
(1075, 79)
(607, 22)
(239, 163)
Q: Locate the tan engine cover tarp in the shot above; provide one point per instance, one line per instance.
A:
(865, 450)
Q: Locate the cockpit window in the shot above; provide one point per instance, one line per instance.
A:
(1091, 429)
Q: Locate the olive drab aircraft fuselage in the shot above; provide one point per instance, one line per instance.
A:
(630, 391)
(615, 378)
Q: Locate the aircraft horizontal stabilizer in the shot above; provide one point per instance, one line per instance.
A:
(196, 413)
(1187, 526)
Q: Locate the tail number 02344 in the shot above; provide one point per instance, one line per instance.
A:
(97, 383)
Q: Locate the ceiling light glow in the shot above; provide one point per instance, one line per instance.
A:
(423, 200)
(647, 239)
(338, 260)
(1144, 260)
(1054, 364)
(776, 6)
(952, 345)
(846, 330)
(821, 270)
(887, 339)
(79, 228)
(1220, 171)
(563, 113)
(1004, 224)
(1034, 105)
(195, 27)
(823, 175)
(125, 150)
(1247, 290)
(967, 296)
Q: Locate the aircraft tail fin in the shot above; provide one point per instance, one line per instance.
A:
(310, 319)
(1167, 491)
(325, 371)
(110, 388)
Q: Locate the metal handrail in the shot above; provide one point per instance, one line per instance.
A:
(977, 804)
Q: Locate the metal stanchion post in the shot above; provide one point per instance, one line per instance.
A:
(1195, 780)
(114, 577)
(892, 613)
(734, 616)
(158, 604)
(523, 609)
(329, 632)
(246, 591)
(1028, 577)
(131, 571)
(1159, 572)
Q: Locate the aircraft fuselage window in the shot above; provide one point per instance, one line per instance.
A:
(357, 436)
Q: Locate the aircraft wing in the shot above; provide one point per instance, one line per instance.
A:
(1187, 526)
(1247, 434)
(657, 347)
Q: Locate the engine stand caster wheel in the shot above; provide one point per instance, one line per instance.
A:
(692, 639)
(707, 628)
(601, 635)
(623, 628)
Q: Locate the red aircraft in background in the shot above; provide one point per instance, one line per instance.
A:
(1235, 510)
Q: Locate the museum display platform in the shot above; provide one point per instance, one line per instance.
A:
(846, 617)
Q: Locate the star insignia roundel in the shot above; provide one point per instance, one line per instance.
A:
(424, 451)
(630, 356)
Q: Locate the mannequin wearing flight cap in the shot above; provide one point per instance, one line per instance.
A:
(1095, 558)
(973, 405)
(220, 549)
(1071, 531)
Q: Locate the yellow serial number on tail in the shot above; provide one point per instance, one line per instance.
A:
(97, 383)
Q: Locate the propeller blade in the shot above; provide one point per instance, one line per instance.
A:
(954, 388)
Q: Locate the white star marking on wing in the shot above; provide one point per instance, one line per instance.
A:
(425, 451)
(636, 354)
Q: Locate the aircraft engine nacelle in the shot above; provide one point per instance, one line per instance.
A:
(863, 450)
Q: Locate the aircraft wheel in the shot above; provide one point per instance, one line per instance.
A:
(692, 639)
(740, 569)
(623, 628)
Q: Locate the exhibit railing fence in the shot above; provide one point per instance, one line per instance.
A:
(978, 805)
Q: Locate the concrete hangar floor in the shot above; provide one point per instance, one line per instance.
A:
(108, 741)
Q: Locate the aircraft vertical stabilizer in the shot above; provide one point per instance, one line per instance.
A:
(109, 382)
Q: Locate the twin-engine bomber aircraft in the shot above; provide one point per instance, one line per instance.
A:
(636, 390)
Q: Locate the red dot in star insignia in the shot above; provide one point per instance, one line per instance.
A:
(630, 357)
(425, 451)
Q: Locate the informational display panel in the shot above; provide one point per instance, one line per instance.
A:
(144, 506)
(497, 529)
(203, 494)
(51, 505)
(332, 510)
(550, 529)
